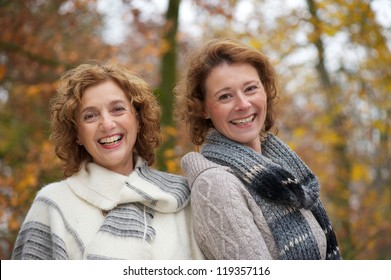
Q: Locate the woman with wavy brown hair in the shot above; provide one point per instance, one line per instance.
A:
(111, 204)
(252, 196)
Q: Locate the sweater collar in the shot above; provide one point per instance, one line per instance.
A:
(106, 189)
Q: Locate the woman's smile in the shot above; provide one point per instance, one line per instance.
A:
(244, 121)
(110, 141)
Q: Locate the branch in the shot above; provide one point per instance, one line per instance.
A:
(12, 47)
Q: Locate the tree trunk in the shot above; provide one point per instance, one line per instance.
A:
(168, 74)
(337, 124)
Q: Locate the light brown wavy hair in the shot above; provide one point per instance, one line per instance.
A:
(190, 90)
(66, 103)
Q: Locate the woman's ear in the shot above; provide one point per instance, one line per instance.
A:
(206, 115)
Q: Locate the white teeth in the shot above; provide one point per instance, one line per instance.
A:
(243, 121)
(110, 140)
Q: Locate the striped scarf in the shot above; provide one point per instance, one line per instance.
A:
(129, 225)
(280, 187)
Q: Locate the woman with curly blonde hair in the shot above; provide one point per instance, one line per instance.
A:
(112, 204)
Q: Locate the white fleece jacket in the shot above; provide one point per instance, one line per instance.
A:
(100, 214)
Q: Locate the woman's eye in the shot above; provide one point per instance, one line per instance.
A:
(251, 88)
(89, 116)
(119, 109)
(224, 96)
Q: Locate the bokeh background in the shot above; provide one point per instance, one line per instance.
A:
(333, 58)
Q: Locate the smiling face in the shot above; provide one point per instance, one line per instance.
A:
(235, 101)
(107, 127)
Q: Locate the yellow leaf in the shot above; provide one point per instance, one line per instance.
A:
(169, 153)
(255, 43)
(13, 224)
(299, 132)
(332, 138)
(380, 125)
(359, 172)
(171, 130)
(33, 90)
(172, 166)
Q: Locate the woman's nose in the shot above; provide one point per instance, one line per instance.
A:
(242, 102)
(107, 122)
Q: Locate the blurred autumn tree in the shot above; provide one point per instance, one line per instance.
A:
(332, 57)
(38, 41)
(352, 126)
(356, 130)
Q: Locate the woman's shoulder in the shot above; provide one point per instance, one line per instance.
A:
(197, 162)
(201, 171)
(151, 174)
(54, 190)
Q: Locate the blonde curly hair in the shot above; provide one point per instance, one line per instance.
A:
(67, 101)
(190, 90)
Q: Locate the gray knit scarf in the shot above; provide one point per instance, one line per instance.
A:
(281, 184)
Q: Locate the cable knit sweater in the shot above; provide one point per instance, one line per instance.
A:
(228, 223)
(100, 214)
